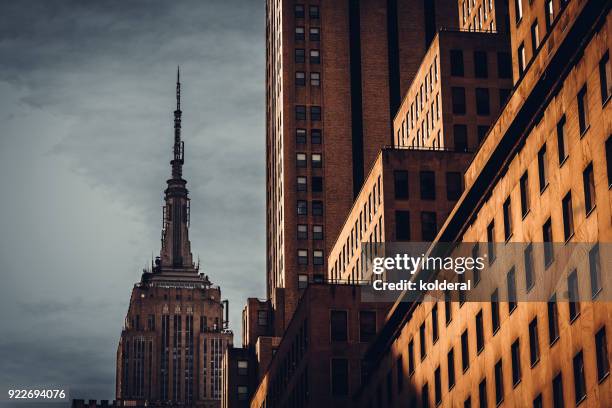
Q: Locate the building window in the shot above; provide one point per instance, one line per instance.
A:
(299, 11)
(535, 37)
(400, 178)
(482, 393)
(522, 59)
(315, 79)
(515, 352)
(450, 359)
(482, 101)
(495, 311)
(316, 136)
(609, 159)
(534, 342)
(479, 332)
(454, 185)
(588, 181)
(317, 184)
(595, 271)
(524, 187)
(299, 33)
(262, 317)
(300, 136)
(568, 216)
(314, 34)
(428, 185)
(300, 78)
(499, 383)
(547, 238)
(460, 138)
(400, 374)
(504, 94)
(315, 113)
(465, 351)
(302, 281)
(553, 320)
(317, 257)
(313, 12)
(511, 282)
(300, 112)
(302, 256)
(338, 325)
(504, 65)
(339, 377)
(302, 207)
(300, 55)
(448, 310)
(529, 271)
(422, 341)
(429, 227)
(456, 60)
(491, 241)
(572, 290)
(243, 367)
(317, 232)
(583, 111)
(242, 392)
(458, 98)
(317, 208)
(402, 225)
(579, 380)
(301, 183)
(558, 391)
(467, 403)
(605, 77)
(411, 357)
(367, 325)
(481, 68)
(518, 9)
(549, 13)
(300, 159)
(482, 132)
(302, 231)
(601, 351)
(315, 57)
(507, 211)
(435, 332)
(542, 168)
(437, 386)
(424, 396)
(561, 140)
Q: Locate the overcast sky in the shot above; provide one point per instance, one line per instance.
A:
(86, 100)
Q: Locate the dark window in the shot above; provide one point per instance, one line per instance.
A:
(401, 184)
(313, 12)
(547, 238)
(605, 78)
(481, 69)
(425, 396)
(367, 325)
(465, 350)
(302, 207)
(434, 324)
(595, 271)
(300, 112)
(402, 225)
(300, 55)
(549, 13)
(537, 402)
(450, 360)
(428, 185)
(438, 386)
(518, 10)
(507, 211)
(448, 308)
(316, 136)
(338, 325)
(467, 403)
(609, 159)
(243, 367)
(529, 271)
(400, 374)
(422, 341)
(299, 33)
(504, 94)
(553, 320)
(561, 140)
(301, 183)
(535, 37)
(482, 101)
(522, 59)
(516, 362)
(339, 377)
(579, 380)
(588, 181)
(525, 202)
(300, 78)
(151, 322)
(302, 256)
(534, 342)
(558, 391)
(314, 34)
(504, 65)
(315, 78)
(568, 216)
(479, 332)
(411, 357)
(317, 232)
(572, 289)
(460, 138)
(491, 241)
(299, 11)
(511, 282)
(482, 132)
(495, 311)
(300, 136)
(429, 226)
(601, 349)
(458, 98)
(456, 59)
(262, 317)
(454, 185)
(499, 382)
(302, 231)
(317, 208)
(317, 257)
(482, 393)
(316, 160)
(317, 184)
(315, 113)
(583, 111)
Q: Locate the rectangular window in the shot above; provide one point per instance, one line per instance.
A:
(479, 332)
(317, 184)
(338, 326)
(300, 78)
(299, 11)
(601, 351)
(315, 113)
(243, 367)
(400, 374)
(302, 281)
(460, 139)
(317, 232)
(511, 282)
(300, 160)
(302, 207)
(262, 318)
(491, 241)
(302, 257)
(588, 181)
(339, 377)
(300, 112)
(448, 309)
(300, 136)
(434, 324)
(299, 33)
(242, 392)
(572, 290)
(482, 393)
(561, 140)
(411, 357)
(543, 168)
(579, 380)
(522, 59)
(438, 386)
(515, 352)
(314, 34)
(316, 136)
(400, 178)
(558, 392)
(553, 320)
(499, 383)
(529, 271)
(458, 100)
(524, 187)
(568, 216)
(495, 311)
(465, 351)
(549, 13)
(507, 211)
(315, 57)
(402, 225)
(317, 257)
(313, 12)
(534, 342)
(595, 271)
(429, 226)
(605, 77)
(315, 79)
(316, 160)
(482, 133)
(301, 183)
(450, 360)
(467, 403)
(424, 396)
(481, 69)
(583, 110)
(547, 238)
(317, 208)
(456, 60)
(482, 101)
(428, 185)
(422, 341)
(504, 65)
(537, 402)
(300, 55)
(367, 325)
(535, 37)
(454, 185)
(302, 231)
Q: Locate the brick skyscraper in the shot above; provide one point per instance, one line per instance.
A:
(175, 334)
(335, 75)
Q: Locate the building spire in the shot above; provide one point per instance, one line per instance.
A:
(178, 160)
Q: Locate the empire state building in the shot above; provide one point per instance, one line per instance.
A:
(176, 328)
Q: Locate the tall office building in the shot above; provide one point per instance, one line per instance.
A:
(171, 348)
(335, 74)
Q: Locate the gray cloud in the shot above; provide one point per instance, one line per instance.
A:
(86, 95)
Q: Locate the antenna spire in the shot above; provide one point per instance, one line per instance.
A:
(177, 162)
(178, 88)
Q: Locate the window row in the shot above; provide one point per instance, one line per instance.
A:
(422, 96)
(481, 64)
(316, 206)
(481, 99)
(316, 184)
(300, 78)
(314, 34)
(316, 160)
(316, 136)
(427, 180)
(302, 232)
(315, 113)
(317, 257)
(314, 56)
(429, 225)
(313, 12)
